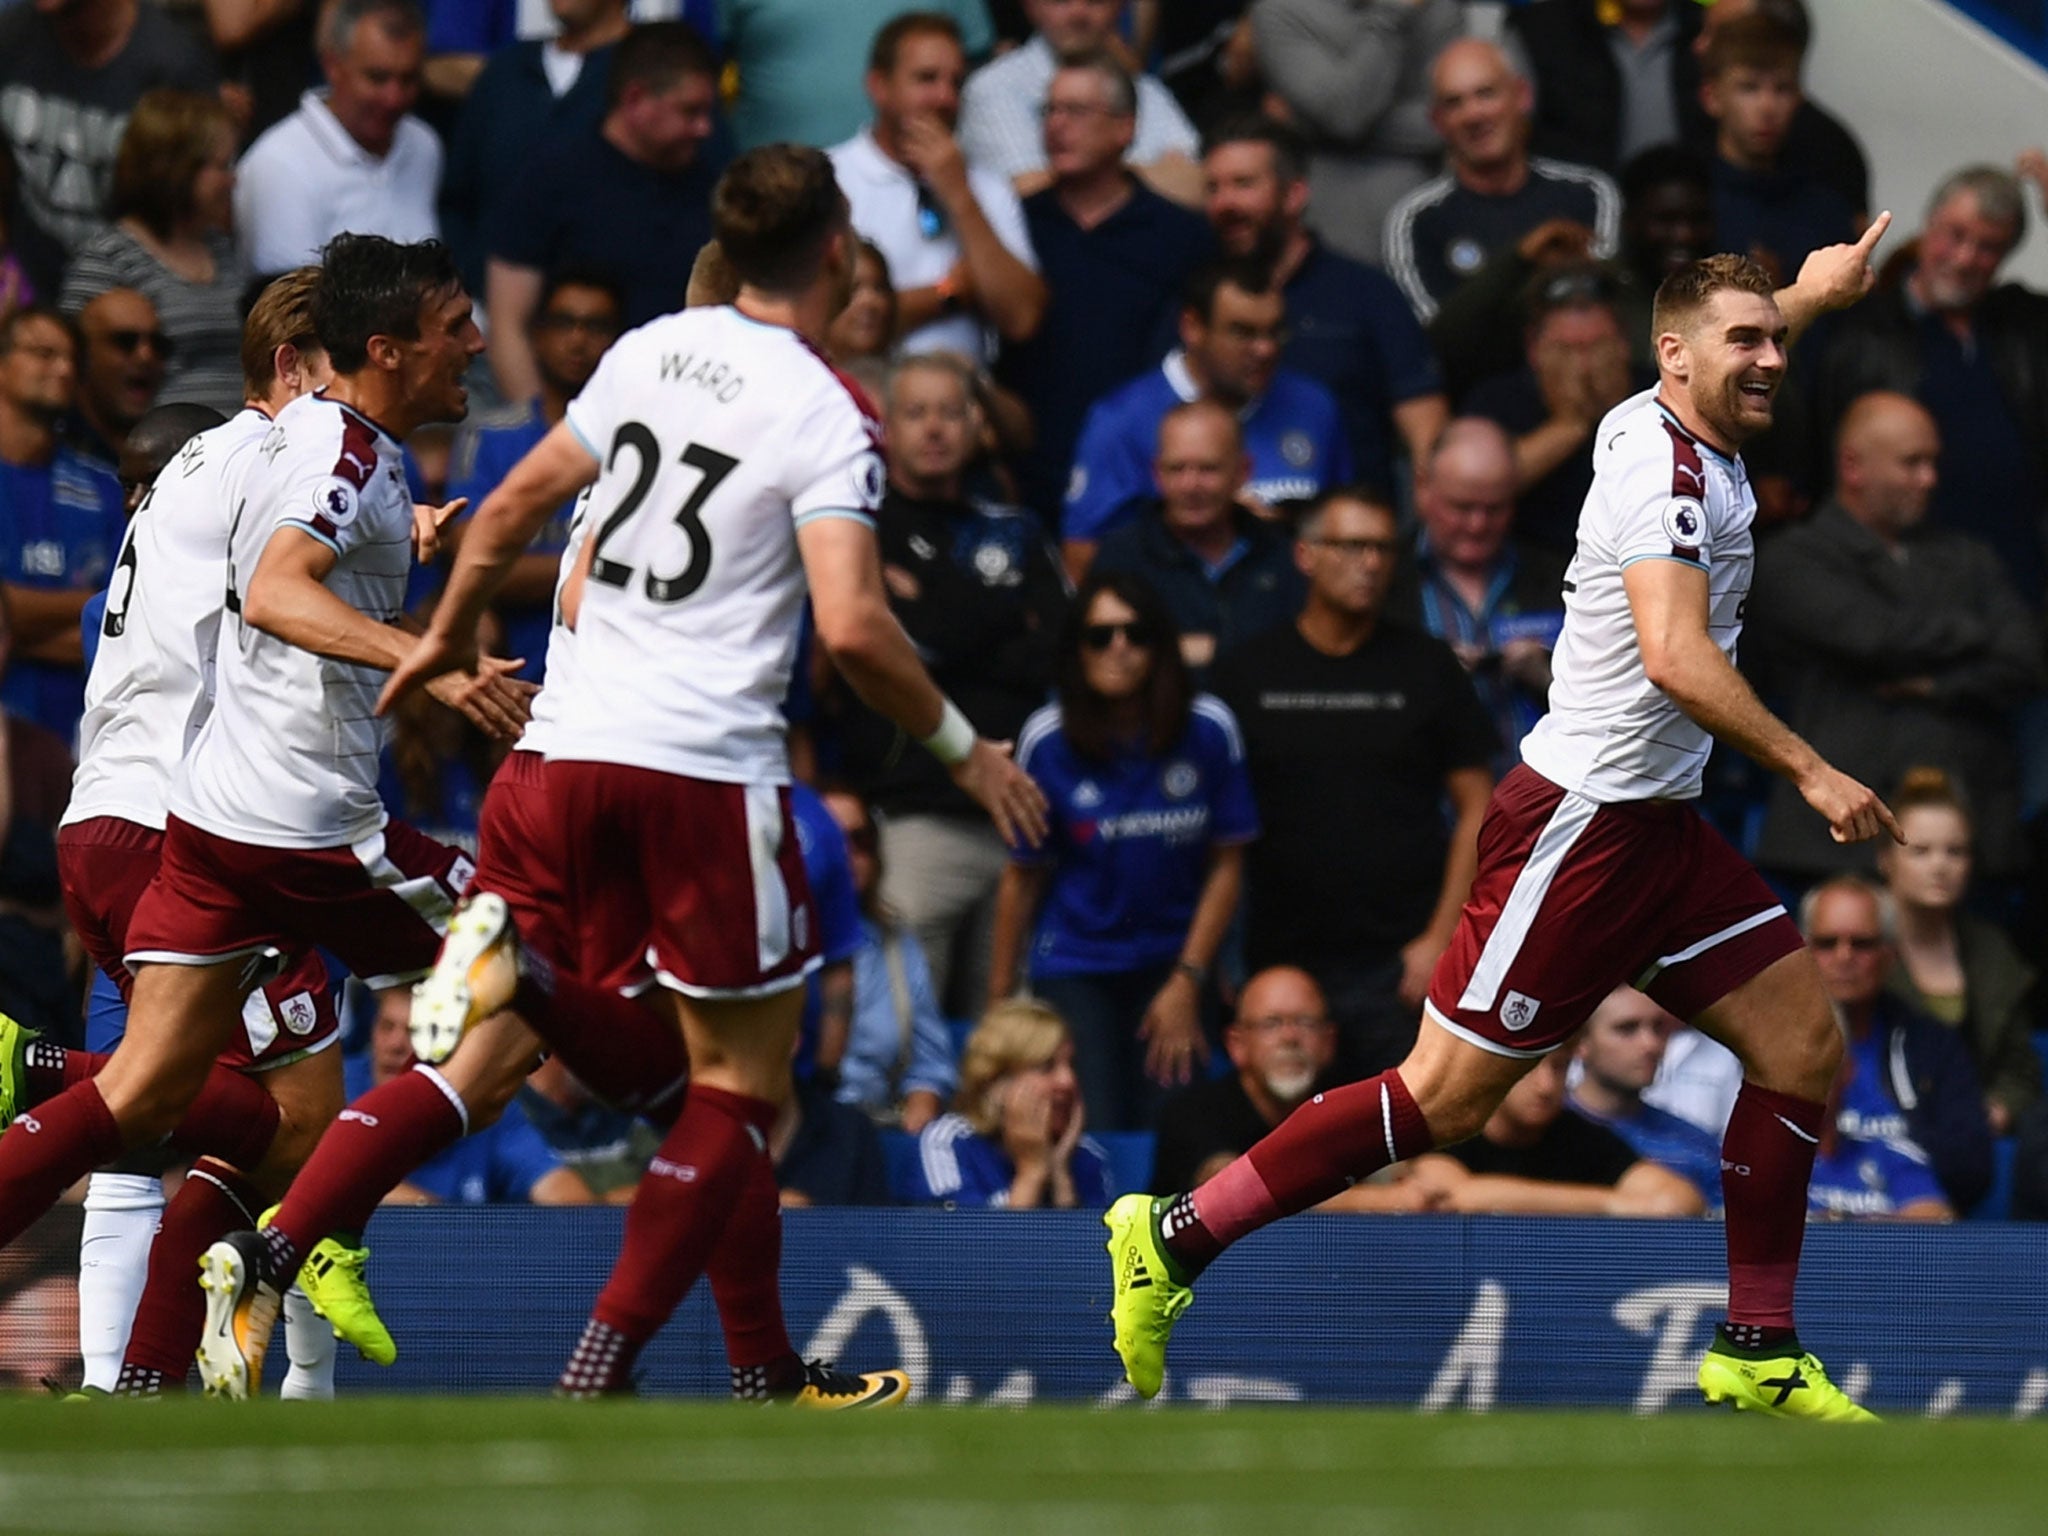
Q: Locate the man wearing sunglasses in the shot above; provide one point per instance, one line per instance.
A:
(121, 370)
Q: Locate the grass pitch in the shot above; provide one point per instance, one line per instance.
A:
(392, 1467)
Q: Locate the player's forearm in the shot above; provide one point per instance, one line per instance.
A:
(511, 517)
(1700, 680)
(302, 612)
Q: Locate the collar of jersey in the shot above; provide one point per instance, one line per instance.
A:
(1698, 442)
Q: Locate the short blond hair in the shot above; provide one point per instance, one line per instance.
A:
(1018, 1033)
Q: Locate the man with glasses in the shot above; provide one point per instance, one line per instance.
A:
(121, 369)
(1358, 729)
(580, 315)
(1232, 327)
(61, 521)
(1281, 1044)
(1114, 254)
(999, 107)
(952, 231)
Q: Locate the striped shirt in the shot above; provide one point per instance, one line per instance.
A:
(203, 320)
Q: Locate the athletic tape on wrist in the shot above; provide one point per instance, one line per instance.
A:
(954, 738)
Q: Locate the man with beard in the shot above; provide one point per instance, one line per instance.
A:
(1282, 1044)
(1348, 327)
(1593, 868)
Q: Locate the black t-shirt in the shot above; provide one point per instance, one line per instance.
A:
(1197, 1123)
(586, 204)
(1348, 757)
(64, 122)
(1572, 1150)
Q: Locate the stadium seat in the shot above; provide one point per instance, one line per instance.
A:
(1997, 1202)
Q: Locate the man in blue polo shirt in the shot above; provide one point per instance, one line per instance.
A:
(1232, 324)
(580, 315)
(1348, 326)
(61, 522)
(1114, 255)
(1619, 1052)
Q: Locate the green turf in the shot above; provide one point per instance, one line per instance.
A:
(391, 1467)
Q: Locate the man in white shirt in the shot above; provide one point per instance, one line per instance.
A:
(952, 233)
(1002, 109)
(351, 158)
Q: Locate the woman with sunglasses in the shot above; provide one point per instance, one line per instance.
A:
(171, 240)
(1139, 877)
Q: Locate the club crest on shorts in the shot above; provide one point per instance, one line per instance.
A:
(298, 1013)
(1519, 1011)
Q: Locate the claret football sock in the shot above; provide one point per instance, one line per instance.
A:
(213, 1201)
(1324, 1147)
(745, 1271)
(48, 1150)
(1766, 1164)
(601, 1365)
(378, 1140)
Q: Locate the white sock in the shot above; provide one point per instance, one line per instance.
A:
(122, 1213)
(309, 1343)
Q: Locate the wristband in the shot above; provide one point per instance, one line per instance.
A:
(954, 738)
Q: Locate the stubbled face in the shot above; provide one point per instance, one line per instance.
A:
(374, 82)
(1960, 253)
(1931, 869)
(1731, 363)
(431, 368)
(1245, 199)
(1849, 948)
(1624, 1042)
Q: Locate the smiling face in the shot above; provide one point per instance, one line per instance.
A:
(1480, 106)
(1728, 363)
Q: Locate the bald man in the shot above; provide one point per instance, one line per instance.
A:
(1894, 641)
(155, 440)
(1225, 573)
(1497, 601)
(1282, 1044)
(1493, 191)
(120, 369)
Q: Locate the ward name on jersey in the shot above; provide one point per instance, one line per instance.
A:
(1659, 493)
(288, 758)
(151, 685)
(720, 436)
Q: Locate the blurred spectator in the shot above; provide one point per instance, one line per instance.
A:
(505, 1163)
(1975, 355)
(1359, 730)
(1224, 574)
(352, 158)
(1667, 223)
(1612, 77)
(1620, 1050)
(866, 328)
(1016, 1141)
(793, 61)
(1776, 213)
(172, 241)
(1575, 370)
(1906, 1080)
(1494, 598)
(979, 591)
(835, 901)
(579, 316)
(69, 76)
(898, 1067)
(34, 972)
(463, 36)
(61, 522)
(1348, 326)
(2030, 1166)
(1697, 1081)
(121, 368)
(1894, 642)
(266, 51)
(826, 1153)
(1114, 255)
(1280, 1045)
(629, 198)
(1232, 322)
(530, 94)
(1353, 76)
(606, 1148)
(1494, 193)
(1954, 966)
(953, 233)
(1117, 918)
(1006, 100)
(435, 769)
(1537, 1157)
(1817, 145)
(1206, 52)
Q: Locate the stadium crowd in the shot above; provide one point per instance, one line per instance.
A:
(1240, 362)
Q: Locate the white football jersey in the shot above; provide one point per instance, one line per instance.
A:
(151, 685)
(1659, 493)
(559, 670)
(719, 436)
(288, 758)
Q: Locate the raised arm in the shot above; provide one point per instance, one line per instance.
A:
(1833, 277)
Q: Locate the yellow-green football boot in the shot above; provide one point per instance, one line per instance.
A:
(1146, 1299)
(334, 1281)
(1790, 1384)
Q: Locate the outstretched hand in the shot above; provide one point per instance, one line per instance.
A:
(1854, 812)
(432, 654)
(493, 698)
(1836, 276)
(428, 521)
(1012, 798)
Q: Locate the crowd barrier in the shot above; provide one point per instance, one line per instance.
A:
(1458, 1313)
